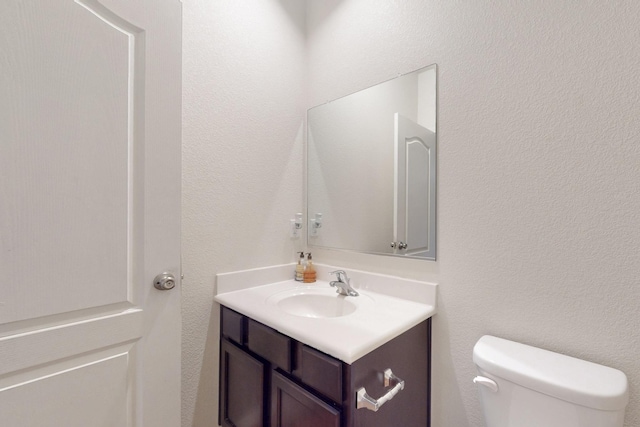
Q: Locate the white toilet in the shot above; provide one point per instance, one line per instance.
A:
(524, 386)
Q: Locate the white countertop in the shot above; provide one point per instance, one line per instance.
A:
(387, 307)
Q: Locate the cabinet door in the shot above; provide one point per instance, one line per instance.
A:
(242, 381)
(293, 406)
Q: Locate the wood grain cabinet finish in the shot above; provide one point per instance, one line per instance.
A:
(269, 344)
(268, 379)
(233, 326)
(242, 388)
(293, 406)
(321, 372)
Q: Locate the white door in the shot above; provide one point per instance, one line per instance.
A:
(89, 212)
(414, 207)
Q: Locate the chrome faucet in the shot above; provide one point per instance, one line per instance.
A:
(343, 286)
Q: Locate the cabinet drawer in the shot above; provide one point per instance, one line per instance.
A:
(270, 344)
(322, 372)
(233, 325)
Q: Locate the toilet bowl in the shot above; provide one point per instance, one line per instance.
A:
(524, 386)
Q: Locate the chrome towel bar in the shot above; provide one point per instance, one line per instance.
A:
(363, 400)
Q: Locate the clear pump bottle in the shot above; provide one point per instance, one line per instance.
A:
(300, 268)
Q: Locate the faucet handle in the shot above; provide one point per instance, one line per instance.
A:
(339, 274)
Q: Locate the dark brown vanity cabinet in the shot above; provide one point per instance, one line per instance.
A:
(268, 379)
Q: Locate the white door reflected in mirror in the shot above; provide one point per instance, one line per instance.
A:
(414, 189)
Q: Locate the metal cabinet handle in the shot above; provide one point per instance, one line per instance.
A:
(363, 400)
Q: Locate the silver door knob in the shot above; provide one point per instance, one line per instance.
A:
(164, 281)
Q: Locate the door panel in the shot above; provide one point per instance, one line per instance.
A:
(414, 212)
(417, 190)
(90, 212)
(65, 160)
(47, 344)
(95, 395)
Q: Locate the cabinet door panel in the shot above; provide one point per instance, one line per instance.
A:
(242, 380)
(292, 406)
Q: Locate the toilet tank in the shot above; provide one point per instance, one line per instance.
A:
(540, 388)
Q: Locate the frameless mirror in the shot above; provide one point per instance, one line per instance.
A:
(371, 172)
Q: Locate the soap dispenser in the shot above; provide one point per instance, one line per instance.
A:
(300, 268)
(309, 271)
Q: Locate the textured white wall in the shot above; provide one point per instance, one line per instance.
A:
(539, 171)
(242, 161)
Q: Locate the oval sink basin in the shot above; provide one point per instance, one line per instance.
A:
(316, 302)
(310, 305)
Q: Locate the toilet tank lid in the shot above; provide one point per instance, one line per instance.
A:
(564, 377)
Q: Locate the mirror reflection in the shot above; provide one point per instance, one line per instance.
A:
(371, 173)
